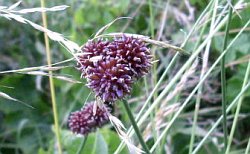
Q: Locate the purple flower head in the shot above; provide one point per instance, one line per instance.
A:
(111, 67)
(91, 50)
(85, 121)
(109, 79)
(133, 52)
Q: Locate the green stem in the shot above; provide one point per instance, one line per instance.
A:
(198, 99)
(147, 103)
(153, 51)
(51, 82)
(229, 108)
(223, 80)
(248, 147)
(82, 145)
(137, 131)
(146, 85)
(151, 18)
(171, 64)
(152, 114)
(238, 109)
(154, 70)
(170, 123)
(203, 70)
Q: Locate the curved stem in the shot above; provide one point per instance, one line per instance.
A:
(137, 131)
(79, 151)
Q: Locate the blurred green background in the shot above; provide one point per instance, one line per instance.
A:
(29, 131)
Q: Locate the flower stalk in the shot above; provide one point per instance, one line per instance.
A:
(83, 143)
(137, 131)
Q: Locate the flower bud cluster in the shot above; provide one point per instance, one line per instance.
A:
(111, 67)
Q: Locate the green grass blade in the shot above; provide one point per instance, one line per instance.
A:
(196, 88)
(223, 80)
(234, 102)
(246, 78)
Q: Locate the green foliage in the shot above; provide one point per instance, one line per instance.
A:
(241, 48)
(26, 130)
(103, 141)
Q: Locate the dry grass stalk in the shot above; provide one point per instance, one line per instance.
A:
(6, 96)
(119, 127)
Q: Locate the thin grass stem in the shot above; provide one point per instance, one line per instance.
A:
(204, 67)
(234, 102)
(198, 99)
(51, 82)
(193, 92)
(223, 80)
(154, 74)
(178, 75)
(172, 62)
(137, 131)
(151, 18)
(146, 85)
(248, 147)
(180, 72)
(229, 108)
(152, 114)
(246, 78)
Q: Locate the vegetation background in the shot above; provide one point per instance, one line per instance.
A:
(26, 130)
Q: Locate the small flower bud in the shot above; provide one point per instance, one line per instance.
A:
(85, 121)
